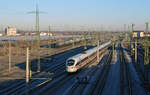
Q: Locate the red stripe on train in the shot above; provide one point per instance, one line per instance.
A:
(89, 59)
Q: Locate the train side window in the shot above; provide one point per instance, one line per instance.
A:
(84, 59)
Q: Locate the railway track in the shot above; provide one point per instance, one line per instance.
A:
(139, 70)
(79, 87)
(102, 77)
(21, 85)
(59, 51)
(139, 67)
(125, 77)
(52, 87)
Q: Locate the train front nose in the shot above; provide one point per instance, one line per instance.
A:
(71, 69)
(70, 66)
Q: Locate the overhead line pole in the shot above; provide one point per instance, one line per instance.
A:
(113, 45)
(125, 28)
(146, 55)
(85, 43)
(49, 41)
(135, 45)
(128, 32)
(98, 44)
(146, 59)
(27, 71)
(131, 37)
(38, 37)
(73, 40)
(9, 55)
(135, 56)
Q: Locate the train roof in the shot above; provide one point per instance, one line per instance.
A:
(84, 54)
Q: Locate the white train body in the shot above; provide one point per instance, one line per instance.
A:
(78, 61)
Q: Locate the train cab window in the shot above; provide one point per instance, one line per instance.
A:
(70, 62)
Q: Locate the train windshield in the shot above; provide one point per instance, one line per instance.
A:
(70, 62)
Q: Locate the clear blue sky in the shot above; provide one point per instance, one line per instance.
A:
(109, 13)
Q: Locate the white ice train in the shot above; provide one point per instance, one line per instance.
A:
(78, 61)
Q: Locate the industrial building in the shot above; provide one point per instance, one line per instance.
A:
(10, 31)
(45, 33)
(138, 34)
(147, 34)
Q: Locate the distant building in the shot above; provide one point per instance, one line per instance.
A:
(27, 34)
(32, 34)
(46, 34)
(142, 34)
(17, 34)
(43, 34)
(9, 31)
(147, 34)
(138, 34)
(50, 34)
